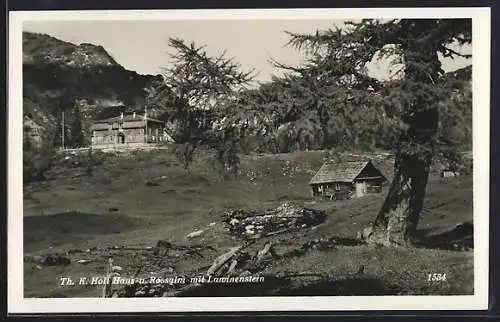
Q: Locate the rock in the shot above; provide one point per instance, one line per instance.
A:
(163, 244)
(212, 224)
(265, 222)
(367, 232)
(151, 184)
(84, 261)
(196, 233)
(140, 293)
(74, 251)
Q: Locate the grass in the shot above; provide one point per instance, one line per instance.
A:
(117, 206)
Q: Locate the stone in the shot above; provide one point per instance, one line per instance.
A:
(196, 233)
(367, 232)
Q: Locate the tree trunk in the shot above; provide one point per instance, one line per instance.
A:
(397, 220)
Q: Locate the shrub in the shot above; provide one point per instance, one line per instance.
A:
(36, 160)
(184, 153)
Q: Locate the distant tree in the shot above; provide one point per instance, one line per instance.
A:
(455, 123)
(196, 91)
(77, 138)
(416, 43)
(71, 121)
(315, 106)
(184, 153)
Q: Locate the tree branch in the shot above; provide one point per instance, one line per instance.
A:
(448, 52)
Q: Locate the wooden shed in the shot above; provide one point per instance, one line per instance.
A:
(344, 180)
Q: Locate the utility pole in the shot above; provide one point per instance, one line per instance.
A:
(146, 120)
(62, 129)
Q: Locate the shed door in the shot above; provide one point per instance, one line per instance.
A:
(360, 189)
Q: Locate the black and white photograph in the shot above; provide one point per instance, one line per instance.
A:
(306, 159)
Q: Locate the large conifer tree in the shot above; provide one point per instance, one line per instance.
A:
(417, 44)
(197, 91)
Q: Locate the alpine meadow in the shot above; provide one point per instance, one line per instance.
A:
(209, 180)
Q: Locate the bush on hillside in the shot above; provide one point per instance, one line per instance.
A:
(184, 153)
(36, 161)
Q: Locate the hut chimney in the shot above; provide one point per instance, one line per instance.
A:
(134, 115)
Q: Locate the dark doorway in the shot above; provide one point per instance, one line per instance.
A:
(121, 138)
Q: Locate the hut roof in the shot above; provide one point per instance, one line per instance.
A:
(128, 118)
(99, 126)
(339, 172)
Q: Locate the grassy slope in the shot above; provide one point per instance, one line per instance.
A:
(67, 212)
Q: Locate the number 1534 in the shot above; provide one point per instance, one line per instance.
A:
(436, 277)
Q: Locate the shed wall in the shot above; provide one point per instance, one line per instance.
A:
(343, 190)
(372, 185)
(333, 190)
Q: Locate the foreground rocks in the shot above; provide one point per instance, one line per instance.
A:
(255, 224)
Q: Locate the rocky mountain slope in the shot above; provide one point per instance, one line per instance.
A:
(41, 48)
(83, 80)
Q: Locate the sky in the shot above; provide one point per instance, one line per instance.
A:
(142, 45)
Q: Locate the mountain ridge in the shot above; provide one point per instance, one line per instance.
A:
(83, 80)
(41, 48)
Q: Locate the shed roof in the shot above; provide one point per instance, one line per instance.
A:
(339, 172)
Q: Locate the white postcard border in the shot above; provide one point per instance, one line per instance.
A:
(481, 147)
